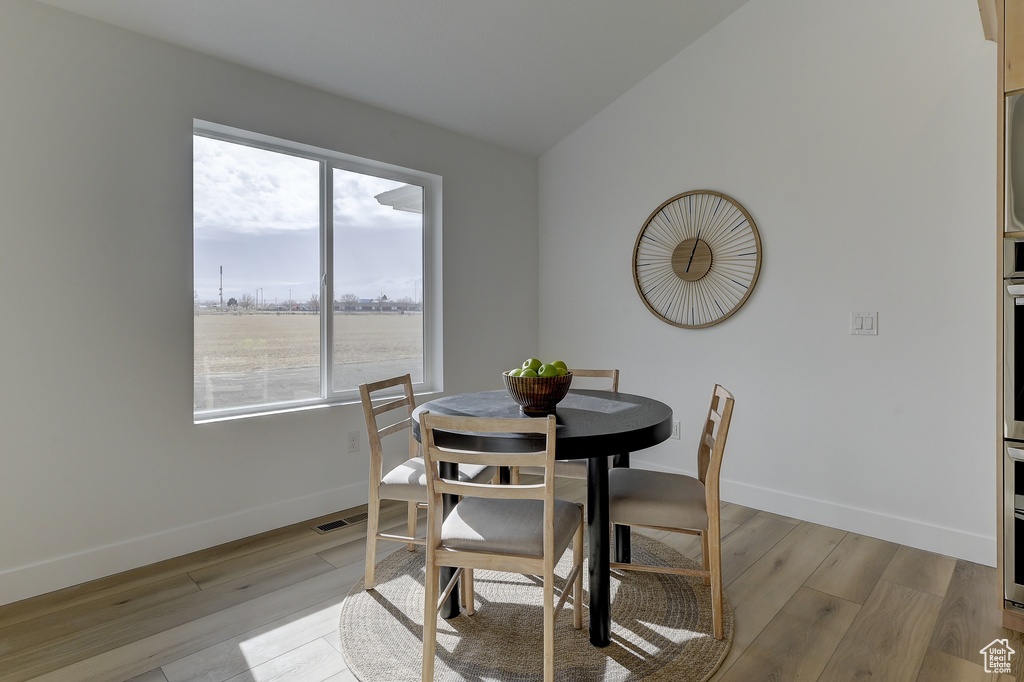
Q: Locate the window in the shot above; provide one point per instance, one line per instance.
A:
(313, 272)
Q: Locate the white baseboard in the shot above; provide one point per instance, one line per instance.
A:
(41, 577)
(915, 533)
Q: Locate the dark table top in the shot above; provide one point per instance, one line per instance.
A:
(591, 423)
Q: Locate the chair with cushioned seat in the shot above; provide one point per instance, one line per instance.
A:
(406, 482)
(681, 504)
(514, 528)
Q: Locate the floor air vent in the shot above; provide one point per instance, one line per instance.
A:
(340, 523)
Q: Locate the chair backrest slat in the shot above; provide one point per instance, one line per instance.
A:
(390, 429)
(492, 458)
(391, 405)
(491, 424)
(532, 491)
(612, 374)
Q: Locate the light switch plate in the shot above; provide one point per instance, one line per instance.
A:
(864, 323)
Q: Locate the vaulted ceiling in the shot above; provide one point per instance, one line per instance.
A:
(519, 73)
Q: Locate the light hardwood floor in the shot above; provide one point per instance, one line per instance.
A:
(810, 602)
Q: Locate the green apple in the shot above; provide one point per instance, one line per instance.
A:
(532, 363)
(528, 372)
(547, 371)
(515, 372)
(561, 365)
(562, 371)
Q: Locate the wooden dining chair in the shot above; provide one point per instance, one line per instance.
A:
(576, 468)
(406, 482)
(515, 528)
(681, 504)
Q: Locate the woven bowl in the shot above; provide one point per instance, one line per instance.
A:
(537, 395)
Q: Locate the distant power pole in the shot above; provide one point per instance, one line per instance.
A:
(222, 287)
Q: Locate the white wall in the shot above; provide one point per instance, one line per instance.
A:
(101, 467)
(861, 138)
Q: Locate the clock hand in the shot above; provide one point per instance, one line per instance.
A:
(690, 262)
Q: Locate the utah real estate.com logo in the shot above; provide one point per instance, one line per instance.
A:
(998, 655)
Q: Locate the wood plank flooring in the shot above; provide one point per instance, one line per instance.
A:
(811, 603)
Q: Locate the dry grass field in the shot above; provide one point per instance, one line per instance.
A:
(246, 358)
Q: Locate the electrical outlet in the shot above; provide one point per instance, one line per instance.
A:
(675, 430)
(353, 441)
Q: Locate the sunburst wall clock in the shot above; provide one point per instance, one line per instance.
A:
(696, 259)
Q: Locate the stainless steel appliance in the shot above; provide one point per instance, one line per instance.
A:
(1015, 163)
(1013, 339)
(1013, 524)
(1013, 258)
(1013, 420)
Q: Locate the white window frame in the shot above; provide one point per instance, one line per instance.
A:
(432, 280)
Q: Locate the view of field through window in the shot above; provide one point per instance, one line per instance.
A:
(253, 358)
(258, 268)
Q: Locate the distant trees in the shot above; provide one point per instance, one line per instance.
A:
(346, 302)
(349, 303)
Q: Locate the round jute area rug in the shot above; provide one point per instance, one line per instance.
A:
(661, 626)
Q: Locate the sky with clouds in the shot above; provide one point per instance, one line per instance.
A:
(256, 213)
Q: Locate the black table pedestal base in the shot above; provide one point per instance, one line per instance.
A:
(598, 569)
(622, 546)
(451, 606)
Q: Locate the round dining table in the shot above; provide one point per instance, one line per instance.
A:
(591, 424)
